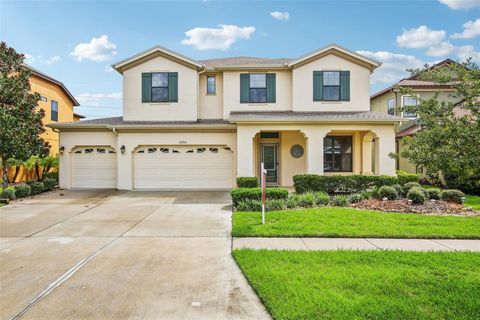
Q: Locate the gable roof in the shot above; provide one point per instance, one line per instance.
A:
(234, 62)
(119, 66)
(334, 48)
(52, 80)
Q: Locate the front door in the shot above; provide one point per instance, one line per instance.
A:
(270, 162)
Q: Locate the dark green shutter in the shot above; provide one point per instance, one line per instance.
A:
(173, 86)
(271, 87)
(317, 85)
(244, 87)
(345, 85)
(146, 87)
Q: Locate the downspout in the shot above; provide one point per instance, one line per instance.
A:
(198, 90)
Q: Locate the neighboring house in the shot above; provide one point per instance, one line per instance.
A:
(390, 99)
(57, 102)
(191, 124)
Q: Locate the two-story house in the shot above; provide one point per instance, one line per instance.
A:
(191, 124)
(391, 99)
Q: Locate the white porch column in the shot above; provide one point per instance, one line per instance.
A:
(315, 149)
(245, 151)
(367, 154)
(385, 145)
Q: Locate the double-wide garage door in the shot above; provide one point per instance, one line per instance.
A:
(94, 168)
(182, 167)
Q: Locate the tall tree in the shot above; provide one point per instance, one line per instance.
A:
(449, 138)
(20, 119)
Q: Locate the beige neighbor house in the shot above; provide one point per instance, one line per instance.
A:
(391, 99)
(191, 124)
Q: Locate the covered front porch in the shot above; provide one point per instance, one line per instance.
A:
(330, 149)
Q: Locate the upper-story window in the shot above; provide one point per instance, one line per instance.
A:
(409, 101)
(160, 87)
(391, 106)
(257, 88)
(54, 110)
(331, 85)
(211, 85)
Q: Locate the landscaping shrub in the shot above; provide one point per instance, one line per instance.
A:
(388, 192)
(399, 190)
(435, 194)
(247, 182)
(22, 190)
(407, 186)
(416, 195)
(36, 187)
(50, 175)
(8, 193)
(49, 184)
(275, 204)
(292, 201)
(375, 193)
(306, 200)
(453, 196)
(366, 194)
(321, 198)
(355, 198)
(405, 177)
(30, 182)
(469, 184)
(249, 205)
(335, 184)
(339, 201)
(241, 194)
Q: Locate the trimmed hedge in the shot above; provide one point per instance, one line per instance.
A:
(340, 184)
(8, 193)
(453, 196)
(247, 182)
(49, 184)
(416, 195)
(388, 192)
(435, 194)
(50, 175)
(405, 177)
(37, 188)
(22, 190)
(242, 194)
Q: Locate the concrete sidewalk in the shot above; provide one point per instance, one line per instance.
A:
(312, 244)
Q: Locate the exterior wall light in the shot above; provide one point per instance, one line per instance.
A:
(62, 148)
(122, 149)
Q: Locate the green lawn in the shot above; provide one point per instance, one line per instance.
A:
(364, 284)
(473, 201)
(350, 222)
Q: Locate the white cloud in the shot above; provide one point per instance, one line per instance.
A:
(98, 49)
(393, 66)
(220, 38)
(471, 29)
(421, 37)
(92, 99)
(39, 59)
(461, 4)
(468, 51)
(441, 50)
(280, 15)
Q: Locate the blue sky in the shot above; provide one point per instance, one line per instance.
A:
(76, 41)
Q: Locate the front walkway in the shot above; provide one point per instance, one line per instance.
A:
(312, 244)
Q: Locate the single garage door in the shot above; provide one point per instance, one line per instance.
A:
(183, 167)
(94, 168)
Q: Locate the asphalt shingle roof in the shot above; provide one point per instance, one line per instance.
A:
(243, 61)
(311, 116)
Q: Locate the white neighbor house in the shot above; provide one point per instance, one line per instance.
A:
(191, 124)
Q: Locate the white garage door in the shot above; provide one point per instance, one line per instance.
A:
(94, 168)
(183, 167)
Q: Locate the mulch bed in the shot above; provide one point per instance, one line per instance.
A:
(430, 207)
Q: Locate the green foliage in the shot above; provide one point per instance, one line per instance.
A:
(247, 182)
(453, 196)
(306, 200)
(416, 195)
(405, 177)
(366, 194)
(292, 201)
(355, 198)
(37, 187)
(321, 198)
(249, 205)
(22, 190)
(399, 189)
(276, 204)
(410, 185)
(435, 194)
(50, 175)
(241, 194)
(388, 192)
(334, 184)
(448, 131)
(339, 201)
(8, 193)
(49, 184)
(20, 119)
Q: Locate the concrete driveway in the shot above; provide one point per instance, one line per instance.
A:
(122, 255)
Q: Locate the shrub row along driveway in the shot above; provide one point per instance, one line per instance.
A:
(117, 255)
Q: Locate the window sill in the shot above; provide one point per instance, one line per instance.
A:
(211, 94)
(331, 101)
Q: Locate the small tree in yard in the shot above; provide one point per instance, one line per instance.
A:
(20, 120)
(449, 138)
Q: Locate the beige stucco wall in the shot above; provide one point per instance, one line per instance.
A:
(379, 104)
(184, 110)
(302, 91)
(211, 105)
(290, 166)
(231, 93)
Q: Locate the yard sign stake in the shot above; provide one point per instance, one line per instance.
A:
(264, 191)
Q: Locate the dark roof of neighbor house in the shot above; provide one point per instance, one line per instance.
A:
(314, 116)
(78, 115)
(42, 75)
